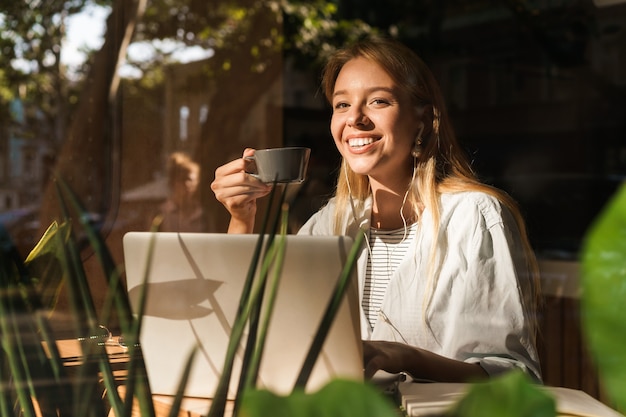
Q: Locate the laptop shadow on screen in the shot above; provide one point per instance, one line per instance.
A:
(178, 299)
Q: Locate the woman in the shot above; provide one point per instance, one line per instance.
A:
(448, 281)
(182, 211)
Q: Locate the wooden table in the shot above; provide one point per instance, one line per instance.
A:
(191, 407)
(417, 399)
(71, 353)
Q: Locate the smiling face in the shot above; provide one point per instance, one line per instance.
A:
(374, 124)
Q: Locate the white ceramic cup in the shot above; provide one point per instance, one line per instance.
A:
(283, 165)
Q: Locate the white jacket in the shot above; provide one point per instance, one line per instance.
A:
(477, 311)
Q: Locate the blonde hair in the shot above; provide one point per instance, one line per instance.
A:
(179, 166)
(442, 166)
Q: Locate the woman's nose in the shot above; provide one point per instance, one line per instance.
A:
(357, 117)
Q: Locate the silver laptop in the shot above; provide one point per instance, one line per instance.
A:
(194, 286)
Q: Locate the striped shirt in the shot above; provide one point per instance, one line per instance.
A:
(387, 250)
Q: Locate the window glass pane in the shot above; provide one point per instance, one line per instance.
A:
(134, 104)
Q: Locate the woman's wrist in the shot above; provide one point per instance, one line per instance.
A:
(237, 226)
(427, 365)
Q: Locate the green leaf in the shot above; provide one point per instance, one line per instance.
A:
(603, 281)
(44, 264)
(180, 392)
(24, 362)
(250, 299)
(278, 254)
(95, 355)
(338, 398)
(329, 314)
(510, 395)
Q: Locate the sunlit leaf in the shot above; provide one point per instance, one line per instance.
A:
(339, 398)
(44, 265)
(510, 395)
(603, 278)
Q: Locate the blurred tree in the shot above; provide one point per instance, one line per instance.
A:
(86, 156)
(30, 58)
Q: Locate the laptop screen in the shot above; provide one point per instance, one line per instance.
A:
(194, 286)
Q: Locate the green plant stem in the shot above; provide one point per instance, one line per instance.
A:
(103, 255)
(251, 374)
(329, 314)
(180, 393)
(136, 374)
(83, 306)
(52, 368)
(218, 405)
(112, 395)
(54, 355)
(217, 409)
(277, 260)
(138, 378)
(255, 314)
(22, 384)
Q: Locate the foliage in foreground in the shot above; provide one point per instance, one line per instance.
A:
(604, 294)
(338, 398)
(510, 395)
(35, 379)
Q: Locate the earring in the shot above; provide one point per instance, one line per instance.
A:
(417, 146)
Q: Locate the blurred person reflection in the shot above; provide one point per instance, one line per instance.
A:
(181, 211)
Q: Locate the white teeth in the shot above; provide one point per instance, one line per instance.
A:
(360, 142)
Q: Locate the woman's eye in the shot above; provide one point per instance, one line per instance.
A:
(341, 105)
(380, 101)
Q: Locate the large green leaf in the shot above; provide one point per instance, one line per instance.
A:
(603, 278)
(510, 395)
(339, 398)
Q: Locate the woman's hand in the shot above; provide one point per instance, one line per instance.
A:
(395, 357)
(391, 357)
(238, 192)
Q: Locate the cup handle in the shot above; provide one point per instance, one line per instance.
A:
(250, 166)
